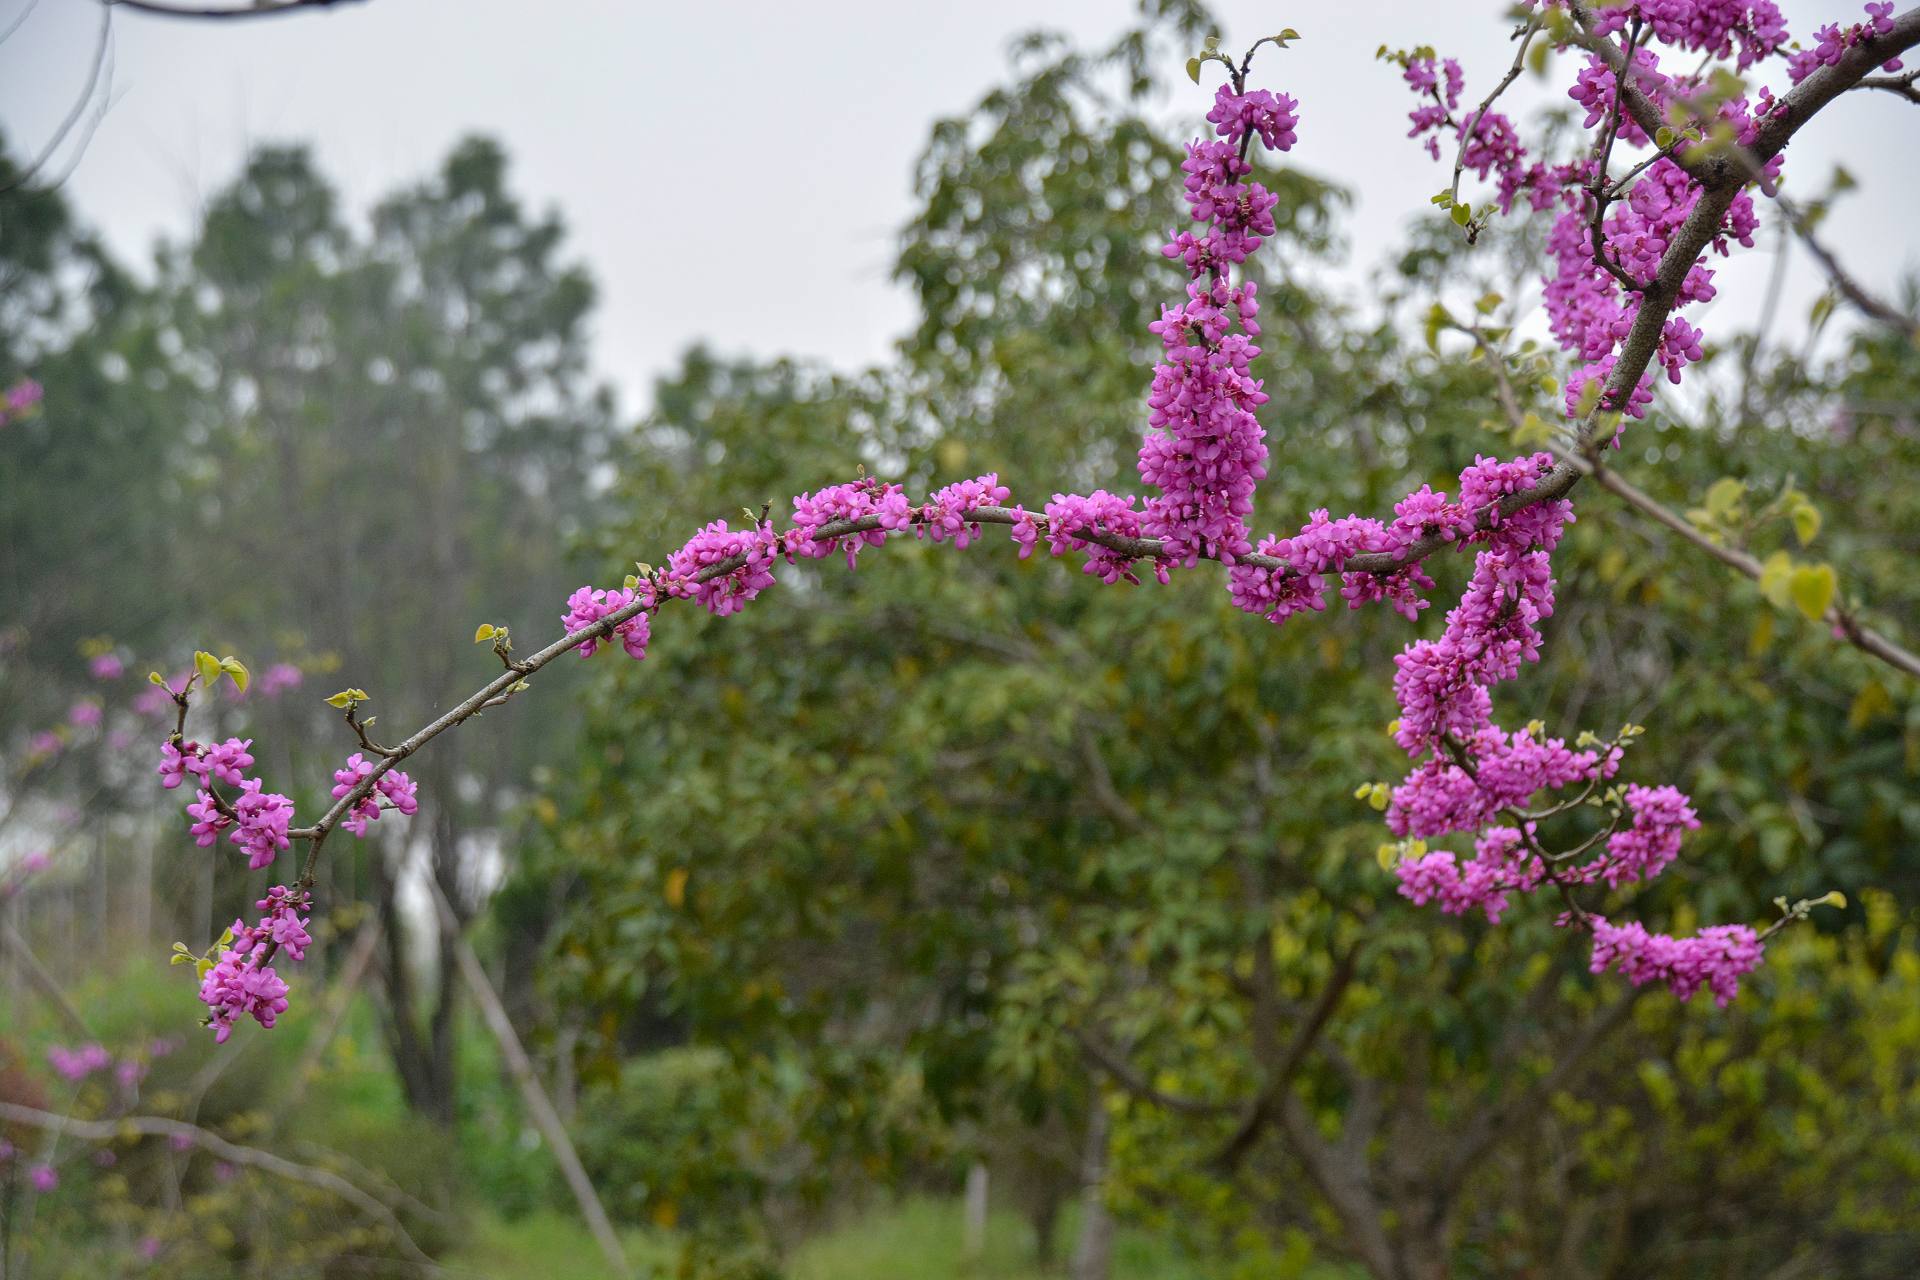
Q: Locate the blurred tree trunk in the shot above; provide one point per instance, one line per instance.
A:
(1093, 1250)
(974, 1241)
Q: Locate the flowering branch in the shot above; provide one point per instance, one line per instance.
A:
(1202, 457)
(1843, 623)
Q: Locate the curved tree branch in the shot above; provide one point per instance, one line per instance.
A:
(233, 1153)
(259, 9)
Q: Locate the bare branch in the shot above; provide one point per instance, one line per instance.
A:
(1129, 1077)
(1841, 620)
(102, 44)
(1849, 288)
(1488, 1125)
(258, 9)
(253, 1157)
(1281, 1074)
(1906, 86)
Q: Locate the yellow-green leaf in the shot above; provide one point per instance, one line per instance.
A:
(1589, 398)
(1869, 704)
(236, 671)
(1812, 587)
(483, 632)
(207, 666)
(1806, 521)
(1775, 574)
(1723, 495)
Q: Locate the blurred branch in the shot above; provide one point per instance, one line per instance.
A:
(539, 1105)
(1906, 86)
(120, 1127)
(258, 9)
(1129, 1078)
(1282, 1073)
(43, 982)
(1485, 1129)
(102, 43)
(1849, 288)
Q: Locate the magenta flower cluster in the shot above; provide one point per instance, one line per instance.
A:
(1593, 290)
(21, 399)
(75, 1065)
(1204, 449)
(242, 981)
(257, 819)
(393, 786)
(1831, 42)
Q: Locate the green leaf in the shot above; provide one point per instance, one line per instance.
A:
(483, 632)
(207, 666)
(1806, 521)
(1462, 213)
(1193, 70)
(154, 677)
(1775, 574)
(1488, 303)
(1537, 58)
(1438, 318)
(1723, 495)
(1812, 587)
(1589, 398)
(236, 671)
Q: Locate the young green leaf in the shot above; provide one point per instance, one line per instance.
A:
(1812, 587)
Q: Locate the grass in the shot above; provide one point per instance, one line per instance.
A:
(920, 1239)
(552, 1246)
(917, 1239)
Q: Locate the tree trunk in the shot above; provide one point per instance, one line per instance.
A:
(1093, 1250)
(539, 1105)
(974, 1240)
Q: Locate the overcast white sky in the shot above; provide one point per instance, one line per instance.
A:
(705, 153)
